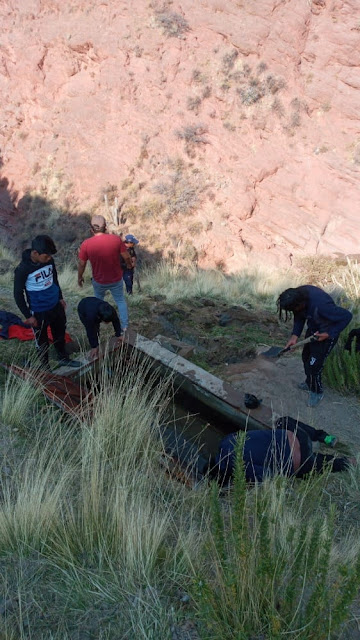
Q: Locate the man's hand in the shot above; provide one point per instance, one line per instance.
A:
(63, 304)
(94, 353)
(321, 336)
(81, 269)
(293, 340)
(31, 322)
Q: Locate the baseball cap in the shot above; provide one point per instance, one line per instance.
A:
(131, 238)
(98, 222)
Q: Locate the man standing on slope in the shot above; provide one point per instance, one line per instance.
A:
(103, 251)
(38, 295)
(325, 320)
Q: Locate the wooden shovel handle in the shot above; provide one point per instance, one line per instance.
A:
(312, 338)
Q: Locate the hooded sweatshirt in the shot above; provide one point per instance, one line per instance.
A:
(321, 314)
(36, 286)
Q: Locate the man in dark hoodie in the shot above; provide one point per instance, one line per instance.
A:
(325, 320)
(38, 295)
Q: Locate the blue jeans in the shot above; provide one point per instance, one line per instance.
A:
(117, 291)
(128, 277)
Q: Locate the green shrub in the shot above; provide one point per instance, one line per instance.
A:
(272, 570)
(342, 368)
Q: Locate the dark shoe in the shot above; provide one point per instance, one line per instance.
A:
(303, 386)
(314, 399)
(67, 362)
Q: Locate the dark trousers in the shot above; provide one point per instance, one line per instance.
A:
(128, 277)
(311, 462)
(314, 355)
(54, 318)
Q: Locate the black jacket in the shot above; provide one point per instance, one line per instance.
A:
(36, 286)
(88, 310)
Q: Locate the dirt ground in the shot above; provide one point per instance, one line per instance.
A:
(275, 381)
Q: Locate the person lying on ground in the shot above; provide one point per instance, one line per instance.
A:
(92, 311)
(38, 295)
(325, 320)
(104, 251)
(286, 450)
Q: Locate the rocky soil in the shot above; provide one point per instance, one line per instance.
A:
(215, 130)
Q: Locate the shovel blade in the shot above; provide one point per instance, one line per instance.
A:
(273, 352)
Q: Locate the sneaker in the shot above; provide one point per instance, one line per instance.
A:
(314, 399)
(67, 362)
(330, 441)
(303, 386)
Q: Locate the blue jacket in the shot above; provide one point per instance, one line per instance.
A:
(321, 314)
(265, 453)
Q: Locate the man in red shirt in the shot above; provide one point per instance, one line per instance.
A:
(103, 251)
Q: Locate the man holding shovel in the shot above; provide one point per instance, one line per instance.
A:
(325, 321)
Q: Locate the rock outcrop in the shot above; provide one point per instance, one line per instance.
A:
(214, 129)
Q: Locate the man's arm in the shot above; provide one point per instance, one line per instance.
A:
(19, 293)
(81, 269)
(92, 332)
(116, 325)
(299, 321)
(56, 280)
(126, 257)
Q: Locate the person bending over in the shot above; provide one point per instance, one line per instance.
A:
(92, 311)
(38, 295)
(286, 450)
(325, 320)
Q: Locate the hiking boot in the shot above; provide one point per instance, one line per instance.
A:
(67, 362)
(303, 386)
(330, 441)
(314, 399)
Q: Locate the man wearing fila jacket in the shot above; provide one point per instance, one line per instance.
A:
(38, 295)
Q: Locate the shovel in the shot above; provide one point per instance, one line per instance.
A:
(276, 352)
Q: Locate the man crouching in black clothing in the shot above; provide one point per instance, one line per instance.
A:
(92, 311)
(38, 295)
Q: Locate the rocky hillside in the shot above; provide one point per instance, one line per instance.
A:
(215, 130)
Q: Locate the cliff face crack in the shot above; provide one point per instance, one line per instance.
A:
(264, 175)
(322, 234)
(40, 64)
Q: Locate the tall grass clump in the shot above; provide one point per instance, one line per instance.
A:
(270, 567)
(17, 401)
(253, 286)
(91, 528)
(342, 368)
